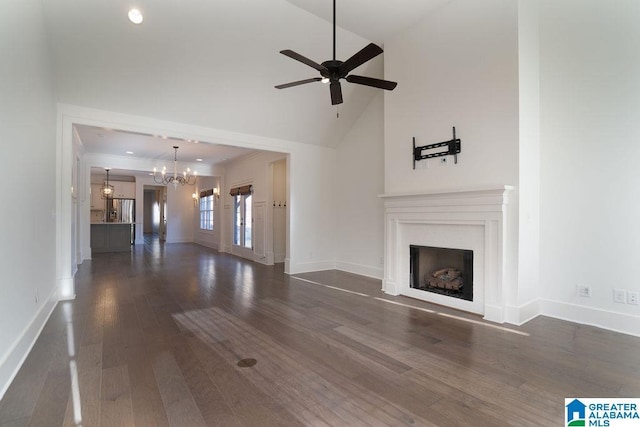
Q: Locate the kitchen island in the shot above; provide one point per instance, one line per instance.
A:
(112, 236)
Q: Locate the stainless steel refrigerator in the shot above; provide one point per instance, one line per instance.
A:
(121, 210)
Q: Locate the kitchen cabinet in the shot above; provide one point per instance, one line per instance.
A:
(112, 237)
(123, 189)
(97, 202)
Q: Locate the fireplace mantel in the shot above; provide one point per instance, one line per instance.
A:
(469, 218)
(462, 196)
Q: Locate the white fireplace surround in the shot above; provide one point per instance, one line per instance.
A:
(474, 219)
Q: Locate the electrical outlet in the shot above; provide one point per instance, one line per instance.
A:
(620, 296)
(584, 291)
(632, 298)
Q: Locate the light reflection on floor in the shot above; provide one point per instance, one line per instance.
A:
(73, 367)
(451, 316)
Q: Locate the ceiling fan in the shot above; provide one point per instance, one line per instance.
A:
(333, 70)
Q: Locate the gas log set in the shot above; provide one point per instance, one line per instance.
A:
(445, 280)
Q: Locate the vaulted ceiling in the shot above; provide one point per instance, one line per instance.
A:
(215, 63)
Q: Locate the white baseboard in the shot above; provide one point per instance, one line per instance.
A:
(307, 267)
(618, 322)
(180, 240)
(207, 244)
(270, 258)
(390, 287)
(17, 354)
(262, 260)
(494, 313)
(362, 270)
(519, 315)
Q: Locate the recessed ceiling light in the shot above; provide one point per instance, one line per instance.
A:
(135, 16)
(129, 152)
(198, 160)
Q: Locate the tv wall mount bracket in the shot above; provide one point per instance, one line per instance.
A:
(453, 148)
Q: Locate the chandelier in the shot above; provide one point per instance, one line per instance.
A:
(106, 190)
(185, 179)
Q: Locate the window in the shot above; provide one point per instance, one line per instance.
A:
(206, 210)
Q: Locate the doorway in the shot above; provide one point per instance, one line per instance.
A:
(242, 221)
(98, 121)
(155, 209)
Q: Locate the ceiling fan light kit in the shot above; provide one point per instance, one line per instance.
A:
(333, 71)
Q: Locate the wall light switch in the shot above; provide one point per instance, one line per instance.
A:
(584, 291)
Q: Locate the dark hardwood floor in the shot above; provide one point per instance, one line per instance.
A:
(154, 338)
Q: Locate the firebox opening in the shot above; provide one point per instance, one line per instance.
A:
(442, 270)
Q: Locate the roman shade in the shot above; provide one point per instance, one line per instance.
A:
(206, 193)
(242, 190)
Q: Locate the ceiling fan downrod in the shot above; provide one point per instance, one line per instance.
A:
(334, 30)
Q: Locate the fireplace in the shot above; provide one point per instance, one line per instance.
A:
(466, 221)
(442, 271)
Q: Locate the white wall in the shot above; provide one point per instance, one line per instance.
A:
(27, 137)
(457, 67)
(279, 207)
(312, 220)
(359, 181)
(528, 193)
(590, 151)
(180, 214)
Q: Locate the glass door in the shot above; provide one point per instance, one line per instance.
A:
(243, 225)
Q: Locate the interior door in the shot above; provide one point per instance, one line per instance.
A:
(243, 225)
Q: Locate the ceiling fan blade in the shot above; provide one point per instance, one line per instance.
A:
(299, 82)
(293, 55)
(368, 81)
(368, 52)
(336, 93)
